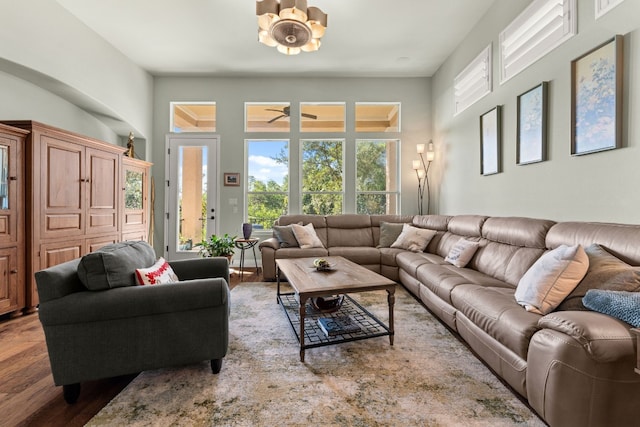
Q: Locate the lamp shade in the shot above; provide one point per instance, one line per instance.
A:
(431, 154)
(293, 9)
(420, 148)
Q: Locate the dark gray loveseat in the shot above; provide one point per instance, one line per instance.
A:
(93, 334)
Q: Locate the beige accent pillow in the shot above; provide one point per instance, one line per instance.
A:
(462, 252)
(551, 278)
(413, 238)
(306, 236)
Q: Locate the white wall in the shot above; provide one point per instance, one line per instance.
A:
(77, 65)
(598, 187)
(230, 95)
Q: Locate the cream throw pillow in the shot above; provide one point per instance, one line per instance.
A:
(306, 236)
(413, 238)
(551, 278)
(462, 252)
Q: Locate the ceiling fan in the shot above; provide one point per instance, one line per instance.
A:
(286, 112)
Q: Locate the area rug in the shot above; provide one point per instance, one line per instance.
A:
(427, 378)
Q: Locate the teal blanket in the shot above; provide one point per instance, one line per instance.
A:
(620, 304)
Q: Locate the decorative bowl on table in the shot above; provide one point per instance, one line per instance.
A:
(327, 304)
(321, 264)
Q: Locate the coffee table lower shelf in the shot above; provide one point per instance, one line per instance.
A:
(314, 336)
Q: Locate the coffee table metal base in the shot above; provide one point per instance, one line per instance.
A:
(305, 319)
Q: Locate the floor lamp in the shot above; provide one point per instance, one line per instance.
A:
(422, 173)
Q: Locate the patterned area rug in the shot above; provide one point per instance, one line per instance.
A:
(427, 378)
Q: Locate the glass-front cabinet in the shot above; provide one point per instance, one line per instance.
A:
(12, 298)
(135, 202)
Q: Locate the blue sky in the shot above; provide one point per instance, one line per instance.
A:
(261, 164)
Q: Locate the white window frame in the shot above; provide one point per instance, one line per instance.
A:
(172, 104)
(474, 82)
(540, 28)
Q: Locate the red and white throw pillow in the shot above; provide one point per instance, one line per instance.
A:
(160, 272)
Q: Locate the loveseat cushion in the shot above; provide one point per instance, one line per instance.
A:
(114, 265)
(495, 311)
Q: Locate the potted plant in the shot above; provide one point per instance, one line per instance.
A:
(218, 246)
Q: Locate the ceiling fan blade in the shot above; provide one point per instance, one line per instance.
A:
(272, 109)
(309, 116)
(276, 118)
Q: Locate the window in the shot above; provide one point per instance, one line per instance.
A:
(267, 182)
(193, 117)
(322, 117)
(267, 117)
(539, 29)
(377, 177)
(377, 117)
(474, 82)
(322, 176)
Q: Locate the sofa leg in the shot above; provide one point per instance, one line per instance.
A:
(216, 365)
(71, 392)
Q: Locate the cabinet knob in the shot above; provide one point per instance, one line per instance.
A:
(13, 178)
(14, 271)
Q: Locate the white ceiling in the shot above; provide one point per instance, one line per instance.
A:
(364, 38)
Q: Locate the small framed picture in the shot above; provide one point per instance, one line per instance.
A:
(531, 136)
(596, 99)
(490, 141)
(231, 179)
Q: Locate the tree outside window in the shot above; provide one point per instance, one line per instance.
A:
(377, 177)
(322, 177)
(267, 182)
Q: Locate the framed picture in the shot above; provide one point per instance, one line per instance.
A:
(596, 99)
(231, 179)
(490, 141)
(531, 136)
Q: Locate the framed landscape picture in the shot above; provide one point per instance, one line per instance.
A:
(531, 136)
(490, 141)
(596, 99)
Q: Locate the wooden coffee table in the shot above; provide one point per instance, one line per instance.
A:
(345, 277)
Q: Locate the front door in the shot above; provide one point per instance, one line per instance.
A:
(191, 194)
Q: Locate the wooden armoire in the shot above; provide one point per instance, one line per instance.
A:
(74, 200)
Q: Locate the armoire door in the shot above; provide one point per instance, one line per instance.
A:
(102, 183)
(8, 190)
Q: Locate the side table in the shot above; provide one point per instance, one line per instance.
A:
(243, 245)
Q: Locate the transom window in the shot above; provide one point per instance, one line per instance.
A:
(267, 117)
(377, 117)
(322, 117)
(193, 117)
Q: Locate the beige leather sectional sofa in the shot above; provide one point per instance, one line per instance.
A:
(575, 368)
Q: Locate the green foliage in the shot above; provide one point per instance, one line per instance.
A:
(322, 173)
(133, 190)
(218, 246)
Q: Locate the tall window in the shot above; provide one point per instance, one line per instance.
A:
(268, 181)
(377, 176)
(322, 176)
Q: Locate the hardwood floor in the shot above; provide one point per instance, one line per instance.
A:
(28, 396)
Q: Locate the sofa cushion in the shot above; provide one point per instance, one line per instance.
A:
(160, 272)
(285, 236)
(410, 261)
(552, 278)
(349, 230)
(359, 255)
(413, 239)
(114, 265)
(462, 252)
(389, 232)
(605, 272)
(306, 236)
(619, 304)
(495, 311)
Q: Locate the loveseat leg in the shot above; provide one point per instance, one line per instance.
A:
(71, 392)
(216, 365)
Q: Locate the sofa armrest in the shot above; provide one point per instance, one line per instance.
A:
(135, 302)
(271, 242)
(201, 268)
(604, 338)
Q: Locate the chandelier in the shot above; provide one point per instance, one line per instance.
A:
(290, 25)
